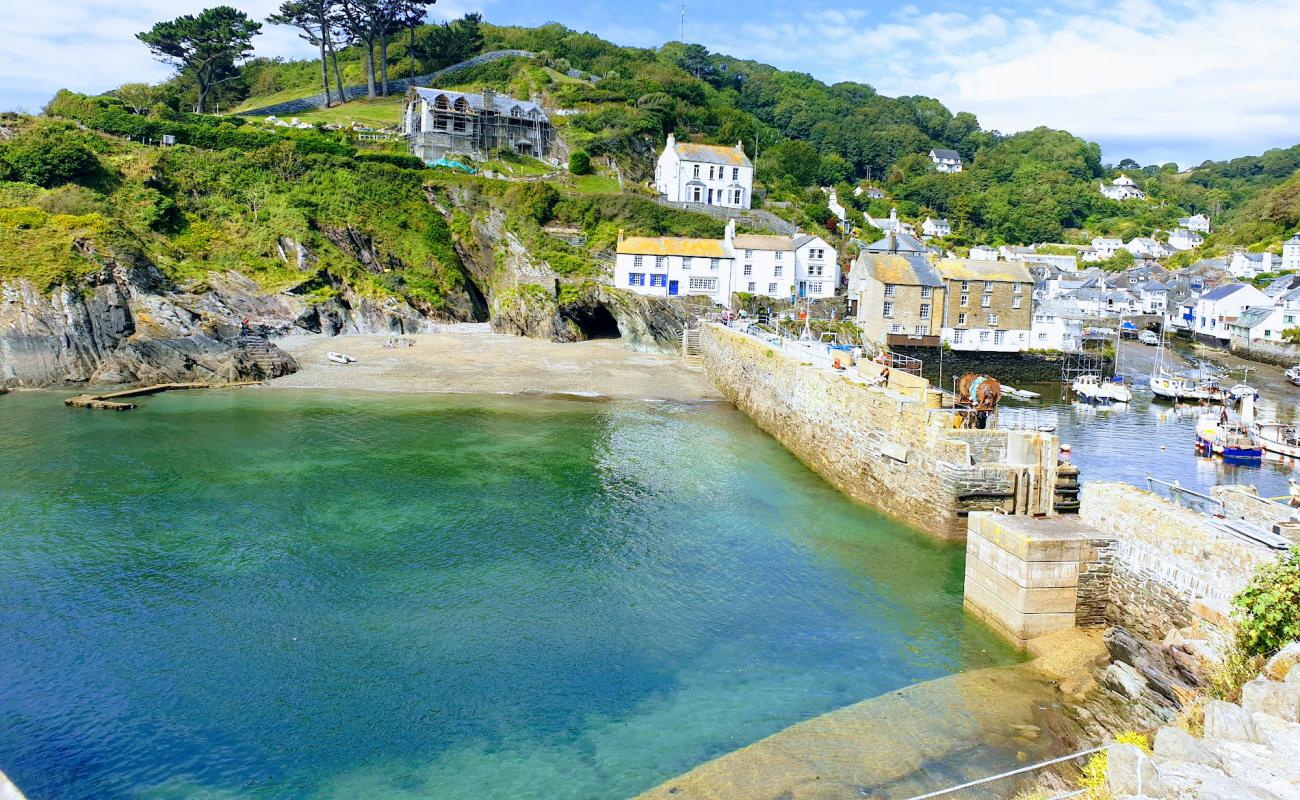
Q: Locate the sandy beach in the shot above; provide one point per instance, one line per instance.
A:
(472, 359)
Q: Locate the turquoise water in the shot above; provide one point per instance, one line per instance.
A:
(272, 594)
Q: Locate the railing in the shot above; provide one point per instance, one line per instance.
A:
(1216, 512)
(1007, 784)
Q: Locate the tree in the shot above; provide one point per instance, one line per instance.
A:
(411, 14)
(205, 47)
(314, 19)
(359, 18)
(579, 162)
(50, 154)
(139, 96)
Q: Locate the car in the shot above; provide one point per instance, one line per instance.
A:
(1149, 338)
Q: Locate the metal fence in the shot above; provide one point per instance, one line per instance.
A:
(1053, 779)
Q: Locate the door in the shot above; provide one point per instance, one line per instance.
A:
(672, 288)
(710, 197)
(803, 288)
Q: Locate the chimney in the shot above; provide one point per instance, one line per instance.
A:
(740, 145)
(730, 233)
(672, 140)
(893, 243)
(620, 235)
(489, 99)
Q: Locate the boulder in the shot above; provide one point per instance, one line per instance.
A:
(1283, 663)
(1179, 745)
(1128, 768)
(1124, 679)
(1264, 696)
(1232, 722)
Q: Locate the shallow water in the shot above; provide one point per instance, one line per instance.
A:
(277, 594)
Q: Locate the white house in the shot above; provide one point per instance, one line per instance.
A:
(1185, 239)
(1066, 263)
(833, 203)
(1261, 324)
(1291, 253)
(1221, 305)
(1146, 247)
(705, 173)
(891, 224)
(1196, 222)
(1153, 297)
(946, 160)
(1053, 329)
(1122, 188)
(936, 227)
(1106, 247)
(1248, 265)
(771, 266)
(983, 252)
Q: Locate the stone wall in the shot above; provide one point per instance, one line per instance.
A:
(876, 445)
(1282, 355)
(1164, 561)
(1009, 368)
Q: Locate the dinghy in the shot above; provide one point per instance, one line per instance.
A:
(339, 358)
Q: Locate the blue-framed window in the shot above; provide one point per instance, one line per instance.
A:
(657, 279)
(636, 279)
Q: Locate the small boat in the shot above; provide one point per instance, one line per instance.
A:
(1091, 389)
(1150, 338)
(1293, 375)
(1278, 438)
(1231, 440)
(1117, 391)
(340, 358)
(1168, 386)
(1020, 394)
(1242, 390)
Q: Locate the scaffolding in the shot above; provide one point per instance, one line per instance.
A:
(1077, 363)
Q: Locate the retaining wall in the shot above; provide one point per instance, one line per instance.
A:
(1282, 355)
(875, 444)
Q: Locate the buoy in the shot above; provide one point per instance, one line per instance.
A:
(1065, 448)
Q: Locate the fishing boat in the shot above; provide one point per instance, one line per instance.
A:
(1020, 394)
(1090, 389)
(1293, 375)
(339, 358)
(1242, 390)
(1117, 391)
(1278, 438)
(1234, 440)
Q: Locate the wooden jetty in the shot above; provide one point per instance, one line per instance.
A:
(111, 401)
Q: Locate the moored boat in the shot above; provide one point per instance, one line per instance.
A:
(1293, 375)
(1091, 389)
(1170, 386)
(1278, 438)
(339, 358)
(1117, 391)
(1231, 440)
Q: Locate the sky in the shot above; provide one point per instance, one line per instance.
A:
(1153, 81)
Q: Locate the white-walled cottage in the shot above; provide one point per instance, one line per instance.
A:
(945, 160)
(1291, 253)
(1248, 265)
(936, 227)
(1106, 247)
(705, 173)
(983, 252)
(1220, 306)
(1196, 222)
(1122, 188)
(1185, 239)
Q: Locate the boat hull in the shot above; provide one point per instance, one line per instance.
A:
(1209, 447)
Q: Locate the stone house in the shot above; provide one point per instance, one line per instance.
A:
(899, 298)
(989, 305)
(438, 122)
(705, 173)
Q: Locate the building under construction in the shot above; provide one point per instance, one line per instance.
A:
(437, 122)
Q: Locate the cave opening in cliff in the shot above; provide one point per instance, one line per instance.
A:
(596, 322)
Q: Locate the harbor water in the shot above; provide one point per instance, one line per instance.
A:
(281, 594)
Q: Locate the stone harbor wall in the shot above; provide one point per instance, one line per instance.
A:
(1009, 368)
(877, 444)
(1283, 355)
(1167, 564)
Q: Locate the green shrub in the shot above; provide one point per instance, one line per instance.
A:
(1268, 609)
(50, 154)
(22, 218)
(580, 162)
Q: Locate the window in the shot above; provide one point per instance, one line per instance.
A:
(817, 253)
(925, 311)
(735, 196)
(771, 288)
(777, 271)
(889, 290)
(778, 255)
(697, 171)
(815, 288)
(813, 269)
(965, 299)
(889, 308)
(965, 286)
(661, 262)
(749, 254)
(749, 269)
(999, 337)
(984, 336)
(638, 260)
(986, 300)
(686, 262)
(993, 319)
(703, 284)
(636, 279)
(1015, 302)
(920, 330)
(713, 264)
(752, 287)
(958, 336)
(658, 280)
(895, 328)
(1018, 288)
(1042, 337)
(926, 291)
(735, 173)
(695, 194)
(961, 318)
(1289, 319)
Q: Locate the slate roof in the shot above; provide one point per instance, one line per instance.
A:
(1220, 292)
(502, 103)
(952, 154)
(896, 243)
(751, 241)
(1295, 239)
(900, 269)
(712, 154)
(964, 269)
(1252, 317)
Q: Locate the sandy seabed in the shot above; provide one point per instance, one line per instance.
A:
(472, 359)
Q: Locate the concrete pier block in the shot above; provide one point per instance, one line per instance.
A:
(1022, 573)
